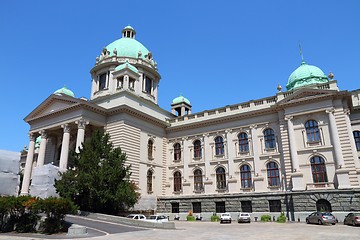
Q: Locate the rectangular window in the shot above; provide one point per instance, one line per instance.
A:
(275, 205)
(220, 207)
(246, 206)
(102, 81)
(148, 83)
(196, 207)
(175, 207)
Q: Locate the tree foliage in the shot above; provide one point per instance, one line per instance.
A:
(98, 179)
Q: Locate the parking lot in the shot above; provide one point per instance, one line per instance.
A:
(216, 231)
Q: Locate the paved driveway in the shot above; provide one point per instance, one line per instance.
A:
(234, 231)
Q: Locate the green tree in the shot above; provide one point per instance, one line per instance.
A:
(98, 179)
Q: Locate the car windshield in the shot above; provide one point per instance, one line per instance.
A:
(244, 214)
(152, 217)
(327, 214)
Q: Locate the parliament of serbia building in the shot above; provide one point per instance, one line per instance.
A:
(295, 152)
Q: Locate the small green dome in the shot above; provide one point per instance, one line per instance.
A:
(180, 99)
(127, 46)
(305, 75)
(64, 91)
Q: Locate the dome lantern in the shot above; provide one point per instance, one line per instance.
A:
(128, 32)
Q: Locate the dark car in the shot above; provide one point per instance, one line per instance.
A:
(321, 218)
(352, 219)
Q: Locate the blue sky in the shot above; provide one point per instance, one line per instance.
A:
(215, 53)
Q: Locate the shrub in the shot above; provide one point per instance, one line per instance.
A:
(265, 218)
(281, 218)
(190, 218)
(55, 210)
(214, 218)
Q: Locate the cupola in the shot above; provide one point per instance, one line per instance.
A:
(180, 106)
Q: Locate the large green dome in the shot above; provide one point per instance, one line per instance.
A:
(127, 46)
(306, 75)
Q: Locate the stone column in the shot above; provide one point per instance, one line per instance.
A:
(352, 140)
(229, 151)
(341, 174)
(258, 179)
(339, 161)
(206, 155)
(186, 161)
(80, 133)
(28, 165)
(65, 148)
(42, 149)
(296, 175)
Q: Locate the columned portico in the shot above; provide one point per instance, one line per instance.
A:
(342, 174)
(42, 149)
(65, 147)
(28, 165)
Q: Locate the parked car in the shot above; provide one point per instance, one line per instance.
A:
(225, 217)
(244, 218)
(352, 219)
(157, 218)
(136, 216)
(321, 218)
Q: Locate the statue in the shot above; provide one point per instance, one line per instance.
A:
(115, 52)
(139, 54)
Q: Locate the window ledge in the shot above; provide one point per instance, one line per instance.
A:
(196, 158)
(177, 192)
(150, 158)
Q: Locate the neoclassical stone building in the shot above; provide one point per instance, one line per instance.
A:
(295, 151)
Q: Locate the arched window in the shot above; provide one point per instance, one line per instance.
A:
(177, 152)
(357, 139)
(269, 137)
(323, 205)
(198, 180)
(245, 176)
(243, 142)
(273, 174)
(197, 149)
(220, 178)
(150, 149)
(177, 182)
(149, 177)
(102, 81)
(219, 146)
(312, 131)
(318, 169)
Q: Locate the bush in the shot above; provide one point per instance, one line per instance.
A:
(265, 218)
(281, 218)
(214, 218)
(190, 218)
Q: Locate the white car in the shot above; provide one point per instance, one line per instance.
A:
(136, 216)
(157, 218)
(244, 218)
(225, 217)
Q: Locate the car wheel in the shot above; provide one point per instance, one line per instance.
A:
(307, 221)
(353, 223)
(319, 222)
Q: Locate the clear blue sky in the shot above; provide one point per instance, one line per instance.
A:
(215, 53)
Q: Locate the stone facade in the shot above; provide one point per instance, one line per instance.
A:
(295, 148)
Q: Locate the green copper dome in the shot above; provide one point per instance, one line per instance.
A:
(64, 91)
(180, 99)
(127, 46)
(305, 75)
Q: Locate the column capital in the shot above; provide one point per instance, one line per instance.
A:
(289, 117)
(253, 126)
(66, 128)
(330, 110)
(81, 123)
(43, 134)
(31, 136)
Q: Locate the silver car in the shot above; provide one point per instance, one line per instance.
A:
(244, 218)
(321, 218)
(352, 219)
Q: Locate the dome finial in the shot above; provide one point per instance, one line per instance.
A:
(301, 53)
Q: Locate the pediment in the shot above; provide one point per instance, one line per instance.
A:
(52, 104)
(306, 95)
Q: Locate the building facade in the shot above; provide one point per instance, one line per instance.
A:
(296, 151)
